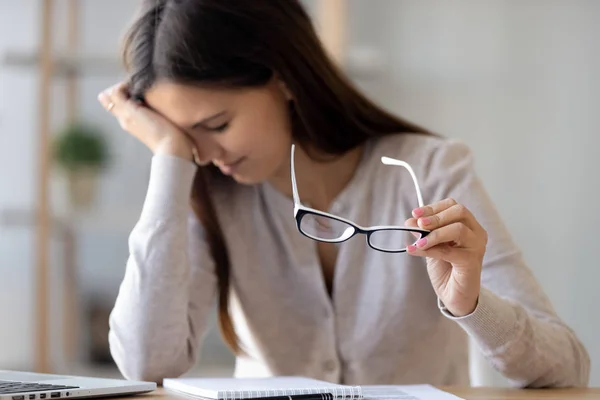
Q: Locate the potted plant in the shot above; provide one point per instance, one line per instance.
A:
(80, 150)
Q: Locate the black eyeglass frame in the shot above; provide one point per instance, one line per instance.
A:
(300, 211)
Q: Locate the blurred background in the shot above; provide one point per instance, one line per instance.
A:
(517, 80)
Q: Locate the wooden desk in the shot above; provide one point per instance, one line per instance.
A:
(529, 394)
(465, 393)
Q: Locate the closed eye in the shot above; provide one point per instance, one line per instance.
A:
(220, 128)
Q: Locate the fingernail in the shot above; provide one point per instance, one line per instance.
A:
(421, 242)
(425, 221)
(417, 212)
(411, 248)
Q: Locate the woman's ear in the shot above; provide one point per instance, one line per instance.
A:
(284, 89)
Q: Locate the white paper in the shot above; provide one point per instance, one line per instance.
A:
(405, 392)
(218, 388)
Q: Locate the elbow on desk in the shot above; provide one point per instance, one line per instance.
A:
(582, 377)
(575, 374)
(145, 363)
(138, 369)
(562, 376)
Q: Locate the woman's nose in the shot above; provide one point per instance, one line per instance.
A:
(205, 150)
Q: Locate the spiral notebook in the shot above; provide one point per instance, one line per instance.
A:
(249, 388)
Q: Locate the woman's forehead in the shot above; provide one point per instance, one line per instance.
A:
(183, 104)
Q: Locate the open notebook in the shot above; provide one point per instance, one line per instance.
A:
(248, 388)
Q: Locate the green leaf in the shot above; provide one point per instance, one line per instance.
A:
(80, 145)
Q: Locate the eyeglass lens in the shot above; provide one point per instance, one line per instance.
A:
(320, 227)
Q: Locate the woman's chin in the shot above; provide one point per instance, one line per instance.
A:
(246, 179)
(250, 175)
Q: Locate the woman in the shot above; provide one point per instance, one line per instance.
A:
(219, 90)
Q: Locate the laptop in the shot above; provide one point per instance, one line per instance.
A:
(32, 386)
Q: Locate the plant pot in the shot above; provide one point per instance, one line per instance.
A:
(82, 185)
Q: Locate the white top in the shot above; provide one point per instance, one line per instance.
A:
(382, 324)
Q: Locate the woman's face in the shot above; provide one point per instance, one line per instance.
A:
(245, 132)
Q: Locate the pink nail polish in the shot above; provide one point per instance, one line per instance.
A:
(417, 212)
(411, 248)
(421, 242)
(425, 221)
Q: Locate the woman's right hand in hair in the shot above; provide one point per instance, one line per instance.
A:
(155, 131)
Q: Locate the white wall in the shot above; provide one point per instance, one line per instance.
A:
(518, 80)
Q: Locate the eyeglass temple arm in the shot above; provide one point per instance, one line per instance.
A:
(393, 161)
(294, 186)
(385, 160)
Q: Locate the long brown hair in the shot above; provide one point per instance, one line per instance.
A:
(242, 43)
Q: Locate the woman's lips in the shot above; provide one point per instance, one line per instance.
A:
(231, 168)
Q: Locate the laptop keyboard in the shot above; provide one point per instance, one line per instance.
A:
(9, 387)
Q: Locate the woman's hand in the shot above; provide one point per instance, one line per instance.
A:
(454, 250)
(152, 129)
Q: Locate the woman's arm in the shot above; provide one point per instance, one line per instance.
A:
(169, 285)
(513, 322)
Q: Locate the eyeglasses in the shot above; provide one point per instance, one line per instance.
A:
(325, 227)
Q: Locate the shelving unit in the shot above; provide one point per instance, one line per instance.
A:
(64, 65)
(331, 18)
(69, 66)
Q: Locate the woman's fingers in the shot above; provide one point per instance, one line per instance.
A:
(455, 213)
(105, 100)
(456, 235)
(151, 128)
(443, 251)
(412, 223)
(434, 208)
(120, 94)
(115, 98)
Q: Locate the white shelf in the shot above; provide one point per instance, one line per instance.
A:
(95, 222)
(63, 64)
